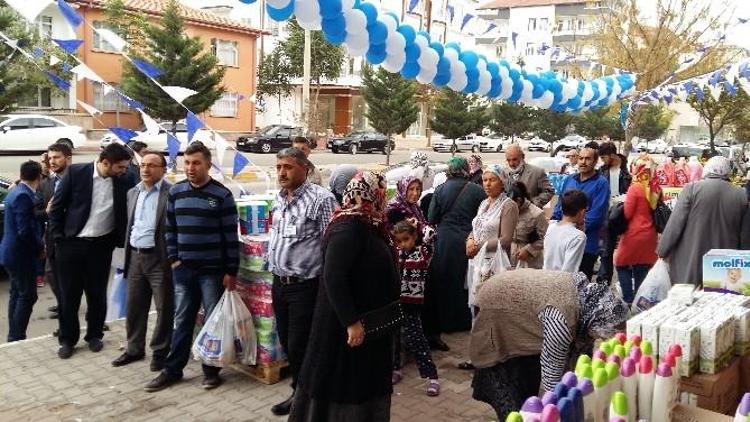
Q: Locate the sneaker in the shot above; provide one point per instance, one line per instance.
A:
(397, 377)
(433, 388)
(211, 381)
(161, 382)
(39, 282)
(65, 351)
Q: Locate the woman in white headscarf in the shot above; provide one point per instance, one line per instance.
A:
(708, 215)
(420, 168)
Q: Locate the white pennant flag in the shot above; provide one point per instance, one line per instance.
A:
(152, 128)
(715, 91)
(178, 93)
(732, 73)
(89, 108)
(221, 147)
(745, 84)
(53, 60)
(107, 89)
(84, 71)
(113, 39)
(682, 94)
(29, 9)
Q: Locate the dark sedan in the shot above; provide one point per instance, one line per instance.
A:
(361, 141)
(270, 139)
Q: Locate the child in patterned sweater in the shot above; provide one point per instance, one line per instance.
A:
(414, 259)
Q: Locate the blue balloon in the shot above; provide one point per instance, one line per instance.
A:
(248, 1)
(469, 58)
(357, 3)
(494, 69)
(412, 52)
(573, 103)
(537, 91)
(282, 14)
(441, 79)
(471, 86)
(603, 102)
(334, 26)
(504, 63)
(444, 66)
(410, 70)
(408, 32)
(330, 8)
(581, 88)
(378, 33)
(425, 34)
(438, 48)
(395, 18)
(594, 87)
(377, 56)
(454, 46)
(335, 39)
(516, 93)
(514, 75)
(370, 11)
(472, 74)
(495, 88)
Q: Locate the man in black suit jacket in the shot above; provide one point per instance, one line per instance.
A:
(60, 157)
(87, 221)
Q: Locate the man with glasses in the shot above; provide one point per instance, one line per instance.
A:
(146, 264)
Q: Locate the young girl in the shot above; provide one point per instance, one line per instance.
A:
(415, 260)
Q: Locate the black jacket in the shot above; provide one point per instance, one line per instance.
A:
(625, 177)
(71, 204)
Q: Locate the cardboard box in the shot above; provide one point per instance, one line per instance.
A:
(716, 392)
(683, 413)
(727, 270)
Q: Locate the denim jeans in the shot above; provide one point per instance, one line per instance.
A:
(190, 289)
(22, 298)
(631, 278)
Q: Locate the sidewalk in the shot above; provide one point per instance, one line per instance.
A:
(37, 386)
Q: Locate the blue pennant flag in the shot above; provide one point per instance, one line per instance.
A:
(66, 67)
(240, 161)
(688, 87)
(58, 81)
(37, 52)
(490, 27)
(467, 18)
(193, 124)
(513, 36)
(68, 45)
(730, 89)
(69, 13)
(451, 13)
(715, 78)
(413, 5)
(668, 99)
(125, 135)
(173, 147)
(672, 90)
(131, 102)
(147, 68)
(743, 20)
(699, 94)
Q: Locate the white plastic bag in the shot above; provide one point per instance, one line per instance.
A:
(483, 266)
(117, 303)
(654, 289)
(245, 340)
(214, 345)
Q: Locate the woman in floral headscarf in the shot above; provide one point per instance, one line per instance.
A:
(636, 253)
(406, 203)
(346, 375)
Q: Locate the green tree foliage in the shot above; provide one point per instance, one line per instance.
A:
(654, 121)
(457, 115)
(326, 62)
(126, 23)
(183, 63)
(551, 126)
(510, 119)
(596, 124)
(391, 102)
(274, 76)
(717, 115)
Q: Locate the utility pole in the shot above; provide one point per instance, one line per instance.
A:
(427, 91)
(306, 81)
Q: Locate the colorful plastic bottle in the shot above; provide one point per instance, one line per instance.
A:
(615, 358)
(613, 376)
(636, 354)
(601, 393)
(661, 408)
(606, 347)
(586, 386)
(570, 379)
(531, 408)
(621, 337)
(567, 410)
(561, 390)
(514, 417)
(597, 364)
(743, 410)
(645, 386)
(549, 397)
(647, 348)
(628, 345)
(576, 396)
(636, 339)
(630, 385)
(582, 360)
(550, 413)
(676, 351)
(600, 355)
(618, 407)
(619, 350)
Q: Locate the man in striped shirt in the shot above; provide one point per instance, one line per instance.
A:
(300, 218)
(202, 245)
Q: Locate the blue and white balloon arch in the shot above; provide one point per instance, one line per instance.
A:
(397, 47)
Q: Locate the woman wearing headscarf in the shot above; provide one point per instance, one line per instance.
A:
(340, 178)
(636, 252)
(532, 325)
(452, 209)
(346, 375)
(527, 249)
(420, 168)
(475, 169)
(708, 215)
(405, 205)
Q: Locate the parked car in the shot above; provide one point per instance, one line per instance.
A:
(463, 144)
(33, 132)
(551, 165)
(494, 143)
(538, 144)
(362, 141)
(657, 146)
(571, 142)
(271, 138)
(396, 172)
(158, 142)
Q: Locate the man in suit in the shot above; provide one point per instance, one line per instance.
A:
(146, 266)
(60, 157)
(87, 221)
(20, 248)
(535, 179)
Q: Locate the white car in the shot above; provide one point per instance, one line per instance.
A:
(463, 144)
(571, 142)
(549, 164)
(657, 146)
(158, 142)
(538, 144)
(494, 143)
(33, 132)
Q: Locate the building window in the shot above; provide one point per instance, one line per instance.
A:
(544, 24)
(532, 24)
(44, 24)
(42, 99)
(107, 101)
(99, 42)
(226, 52)
(226, 106)
(530, 49)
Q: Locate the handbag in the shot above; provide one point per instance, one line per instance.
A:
(617, 223)
(383, 321)
(661, 215)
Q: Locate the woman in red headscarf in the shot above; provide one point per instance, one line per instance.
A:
(636, 253)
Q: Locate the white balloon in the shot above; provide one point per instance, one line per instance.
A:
(458, 78)
(389, 21)
(526, 93)
(278, 4)
(356, 21)
(504, 73)
(481, 65)
(354, 52)
(347, 5)
(485, 82)
(314, 25)
(588, 92)
(545, 101)
(506, 90)
(395, 43)
(450, 54)
(394, 63)
(307, 12)
(428, 58)
(570, 89)
(358, 42)
(426, 76)
(602, 89)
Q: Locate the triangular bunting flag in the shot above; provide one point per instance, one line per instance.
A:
(699, 95)
(28, 9)
(715, 91)
(221, 147)
(147, 68)
(125, 135)
(240, 162)
(193, 124)
(178, 93)
(66, 67)
(730, 89)
(113, 39)
(467, 18)
(745, 84)
(89, 108)
(412, 5)
(131, 102)
(85, 72)
(107, 89)
(219, 175)
(58, 81)
(37, 52)
(53, 60)
(173, 147)
(68, 45)
(152, 127)
(70, 14)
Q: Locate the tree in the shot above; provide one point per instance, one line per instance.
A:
(551, 126)
(655, 120)
(326, 61)
(274, 76)
(183, 63)
(126, 23)
(600, 123)
(717, 115)
(391, 103)
(457, 115)
(510, 119)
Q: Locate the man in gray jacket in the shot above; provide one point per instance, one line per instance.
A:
(146, 265)
(535, 178)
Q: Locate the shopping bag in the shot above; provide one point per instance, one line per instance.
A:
(117, 303)
(654, 289)
(245, 338)
(214, 345)
(483, 266)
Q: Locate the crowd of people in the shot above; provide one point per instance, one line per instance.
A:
(359, 279)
